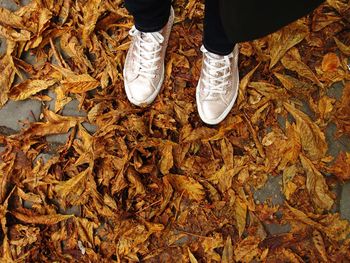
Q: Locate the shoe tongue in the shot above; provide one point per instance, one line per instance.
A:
(147, 38)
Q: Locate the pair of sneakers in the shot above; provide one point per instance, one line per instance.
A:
(217, 87)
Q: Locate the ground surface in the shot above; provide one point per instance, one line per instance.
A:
(116, 182)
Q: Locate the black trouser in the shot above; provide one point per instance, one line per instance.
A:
(152, 15)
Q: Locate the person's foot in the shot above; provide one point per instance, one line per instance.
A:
(144, 64)
(217, 87)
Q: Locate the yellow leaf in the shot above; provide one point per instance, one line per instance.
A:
(325, 106)
(243, 84)
(29, 87)
(240, 214)
(223, 177)
(55, 124)
(79, 83)
(227, 253)
(316, 186)
(64, 188)
(190, 255)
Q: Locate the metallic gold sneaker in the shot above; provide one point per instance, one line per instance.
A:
(144, 64)
(217, 87)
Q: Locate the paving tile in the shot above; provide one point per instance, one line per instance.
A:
(8, 4)
(15, 111)
(336, 145)
(3, 46)
(275, 229)
(271, 190)
(345, 201)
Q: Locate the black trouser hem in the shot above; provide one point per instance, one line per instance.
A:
(147, 29)
(221, 52)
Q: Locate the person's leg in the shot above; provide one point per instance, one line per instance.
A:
(217, 87)
(149, 15)
(215, 39)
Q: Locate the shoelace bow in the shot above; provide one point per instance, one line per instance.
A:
(218, 75)
(149, 46)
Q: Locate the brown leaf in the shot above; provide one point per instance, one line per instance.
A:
(247, 249)
(316, 186)
(319, 244)
(342, 47)
(292, 62)
(281, 41)
(312, 138)
(41, 219)
(55, 124)
(341, 166)
(188, 185)
(288, 186)
(73, 185)
(166, 161)
(227, 153)
(330, 62)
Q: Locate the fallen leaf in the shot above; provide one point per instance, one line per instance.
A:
(188, 185)
(41, 219)
(281, 41)
(190, 255)
(330, 62)
(227, 253)
(292, 62)
(316, 186)
(29, 87)
(312, 138)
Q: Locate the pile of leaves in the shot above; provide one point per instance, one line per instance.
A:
(155, 184)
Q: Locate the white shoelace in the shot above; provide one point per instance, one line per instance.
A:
(147, 50)
(218, 76)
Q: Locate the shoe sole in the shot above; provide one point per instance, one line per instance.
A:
(226, 111)
(152, 97)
